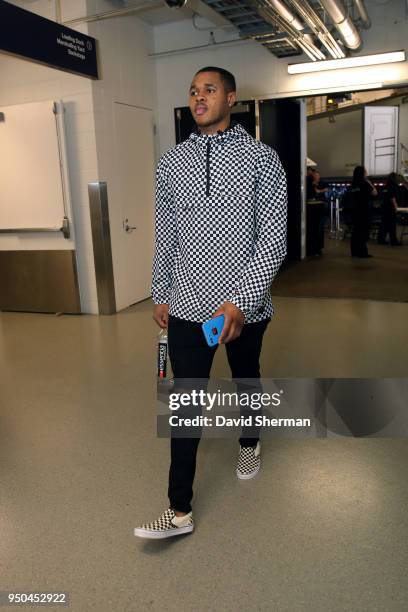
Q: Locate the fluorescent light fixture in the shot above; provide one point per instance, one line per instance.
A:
(348, 62)
(323, 91)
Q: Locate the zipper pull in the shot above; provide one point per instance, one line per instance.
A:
(207, 174)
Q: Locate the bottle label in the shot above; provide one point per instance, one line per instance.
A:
(162, 360)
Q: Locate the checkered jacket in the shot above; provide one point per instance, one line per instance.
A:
(220, 233)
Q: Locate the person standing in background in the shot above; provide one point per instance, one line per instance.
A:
(315, 187)
(310, 192)
(362, 191)
(320, 188)
(316, 190)
(389, 211)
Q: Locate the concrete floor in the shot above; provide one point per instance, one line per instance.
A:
(322, 528)
(338, 275)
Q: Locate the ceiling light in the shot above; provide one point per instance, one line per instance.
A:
(324, 91)
(348, 62)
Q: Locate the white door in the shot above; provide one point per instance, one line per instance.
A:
(135, 163)
(380, 139)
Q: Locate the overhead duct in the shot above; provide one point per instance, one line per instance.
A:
(343, 23)
(286, 14)
(286, 27)
(318, 28)
(362, 11)
(309, 38)
(276, 13)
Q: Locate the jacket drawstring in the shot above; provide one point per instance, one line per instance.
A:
(207, 175)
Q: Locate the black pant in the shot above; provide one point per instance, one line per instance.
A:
(388, 226)
(191, 357)
(359, 237)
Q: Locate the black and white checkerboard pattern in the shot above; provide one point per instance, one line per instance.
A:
(164, 522)
(248, 461)
(225, 243)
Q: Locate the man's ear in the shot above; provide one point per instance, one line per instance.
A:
(232, 98)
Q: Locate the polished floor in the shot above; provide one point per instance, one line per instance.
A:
(323, 527)
(338, 275)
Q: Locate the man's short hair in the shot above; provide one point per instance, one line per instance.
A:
(227, 77)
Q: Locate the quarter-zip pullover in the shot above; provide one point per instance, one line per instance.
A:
(220, 232)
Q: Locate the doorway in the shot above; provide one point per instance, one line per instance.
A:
(134, 235)
(355, 129)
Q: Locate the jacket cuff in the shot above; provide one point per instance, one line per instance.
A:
(240, 302)
(160, 297)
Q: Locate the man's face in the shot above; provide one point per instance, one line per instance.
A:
(209, 101)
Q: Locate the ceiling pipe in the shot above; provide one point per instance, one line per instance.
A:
(309, 49)
(343, 23)
(276, 13)
(286, 14)
(331, 45)
(362, 11)
(308, 38)
(307, 41)
(318, 28)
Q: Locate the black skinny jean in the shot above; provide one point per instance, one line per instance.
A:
(388, 226)
(359, 237)
(191, 357)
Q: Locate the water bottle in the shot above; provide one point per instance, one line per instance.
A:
(162, 354)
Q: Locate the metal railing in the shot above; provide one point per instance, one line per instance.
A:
(379, 147)
(30, 230)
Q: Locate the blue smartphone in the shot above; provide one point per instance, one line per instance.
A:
(212, 329)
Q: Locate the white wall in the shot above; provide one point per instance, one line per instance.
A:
(23, 81)
(259, 73)
(403, 134)
(337, 146)
(127, 76)
(402, 103)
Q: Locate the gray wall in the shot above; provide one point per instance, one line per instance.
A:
(336, 147)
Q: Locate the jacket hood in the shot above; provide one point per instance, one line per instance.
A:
(233, 132)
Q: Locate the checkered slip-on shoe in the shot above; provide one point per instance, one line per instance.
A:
(249, 461)
(167, 525)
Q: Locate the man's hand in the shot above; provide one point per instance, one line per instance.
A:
(233, 323)
(161, 315)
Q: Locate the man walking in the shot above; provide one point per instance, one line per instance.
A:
(221, 210)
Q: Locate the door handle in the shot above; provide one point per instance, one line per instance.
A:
(128, 228)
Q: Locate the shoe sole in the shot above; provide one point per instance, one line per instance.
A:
(248, 476)
(159, 535)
